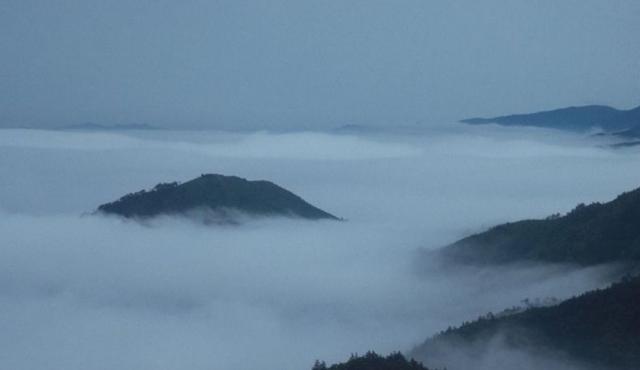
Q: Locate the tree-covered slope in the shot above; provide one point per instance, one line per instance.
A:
(373, 361)
(216, 193)
(590, 234)
(601, 328)
(572, 118)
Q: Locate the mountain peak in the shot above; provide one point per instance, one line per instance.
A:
(215, 193)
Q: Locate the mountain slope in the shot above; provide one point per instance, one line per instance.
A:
(217, 193)
(373, 361)
(572, 119)
(593, 234)
(601, 328)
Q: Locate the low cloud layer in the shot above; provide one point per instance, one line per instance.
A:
(79, 291)
(496, 352)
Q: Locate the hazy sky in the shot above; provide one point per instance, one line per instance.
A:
(267, 64)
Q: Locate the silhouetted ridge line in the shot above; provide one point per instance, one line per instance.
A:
(213, 192)
(373, 361)
(600, 328)
(588, 235)
(573, 119)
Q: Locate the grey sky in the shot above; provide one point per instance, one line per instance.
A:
(268, 64)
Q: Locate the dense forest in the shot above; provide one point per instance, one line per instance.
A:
(588, 235)
(373, 361)
(601, 328)
(214, 192)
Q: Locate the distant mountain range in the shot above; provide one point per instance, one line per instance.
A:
(90, 126)
(214, 198)
(582, 119)
(600, 328)
(588, 235)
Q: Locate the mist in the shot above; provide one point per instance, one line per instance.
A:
(82, 291)
(496, 352)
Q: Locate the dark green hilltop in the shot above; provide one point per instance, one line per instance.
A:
(215, 193)
(573, 119)
(588, 235)
(601, 328)
(373, 361)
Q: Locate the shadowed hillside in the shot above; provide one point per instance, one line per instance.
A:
(600, 328)
(588, 235)
(215, 193)
(373, 361)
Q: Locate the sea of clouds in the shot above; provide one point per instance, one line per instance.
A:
(80, 291)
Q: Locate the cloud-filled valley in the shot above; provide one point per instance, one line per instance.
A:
(80, 290)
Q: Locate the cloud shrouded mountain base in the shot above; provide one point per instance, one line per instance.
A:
(600, 328)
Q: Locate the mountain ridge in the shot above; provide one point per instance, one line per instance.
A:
(599, 327)
(575, 118)
(587, 235)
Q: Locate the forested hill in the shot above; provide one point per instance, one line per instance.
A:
(601, 328)
(373, 361)
(216, 193)
(588, 235)
(573, 119)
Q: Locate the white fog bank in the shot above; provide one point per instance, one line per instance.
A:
(93, 292)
